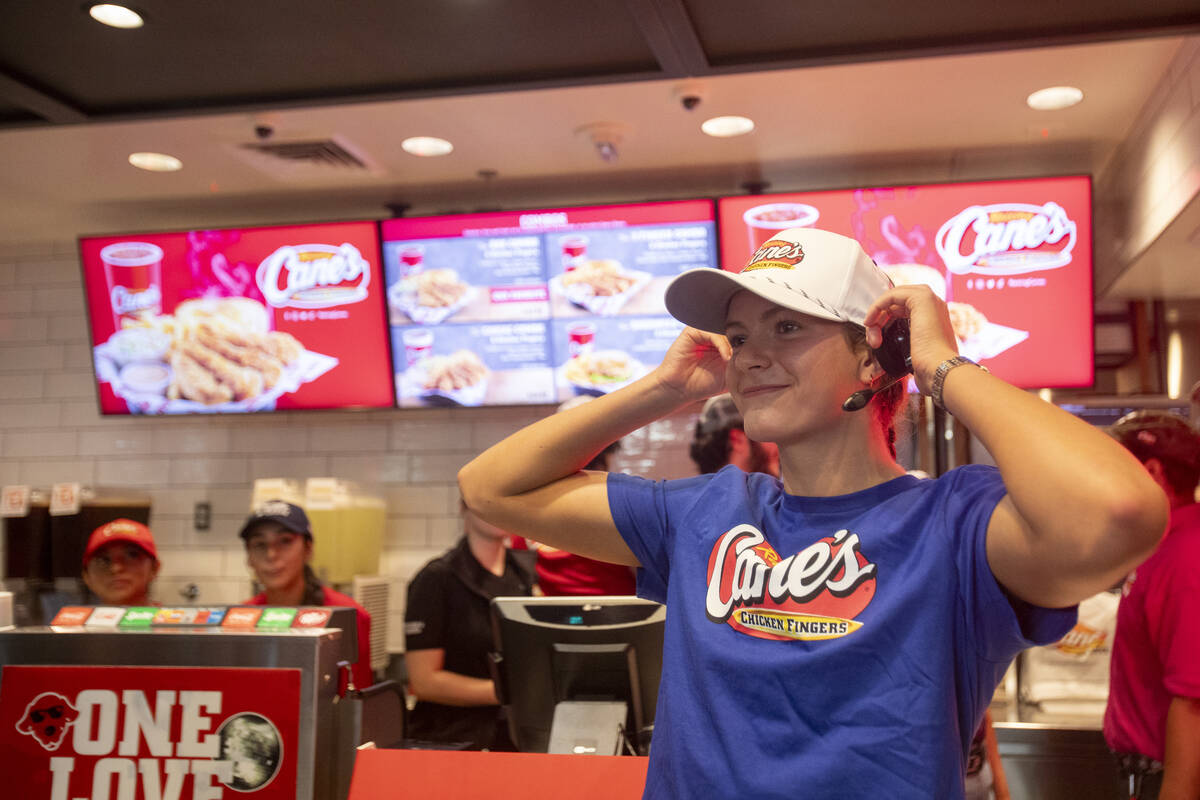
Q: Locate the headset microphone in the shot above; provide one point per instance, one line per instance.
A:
(859, 399)
(894, 356)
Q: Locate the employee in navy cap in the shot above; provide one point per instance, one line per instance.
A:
(278, 541)
(120, 562)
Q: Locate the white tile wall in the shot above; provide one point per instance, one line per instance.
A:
(50, 432)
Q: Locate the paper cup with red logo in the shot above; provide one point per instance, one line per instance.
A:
(134, 274)
(763, 222)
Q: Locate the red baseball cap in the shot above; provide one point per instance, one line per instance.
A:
(120, 530)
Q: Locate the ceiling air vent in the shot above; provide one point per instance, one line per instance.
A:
(306, 159)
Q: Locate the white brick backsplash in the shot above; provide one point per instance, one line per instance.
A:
(22, 387)
(10, 472)
(210, 438)
(407, 532)
(289, 467)
(444, 531)
(68, 328)
(23, 329)
(76, 413)
(436, 467)
(207, 471)
(141, 472)
(262, 435)
(77, 356)
(70, 384)
(168, 533)
(47, 472)
(68, 299)
(43, 273)
(114, 442)
(29, 415)
(422, 501)
(378, 468)
(23, 358)
(348, 438)
(38, 444)
(412, 434)
(178, 562)
(8, 274)
(485, 434)
(16, 301)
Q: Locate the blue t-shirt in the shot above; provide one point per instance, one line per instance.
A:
(822, 647)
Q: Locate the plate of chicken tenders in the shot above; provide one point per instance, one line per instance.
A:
(460, 377)
(602, 286)
(212, 355)
(431, 296)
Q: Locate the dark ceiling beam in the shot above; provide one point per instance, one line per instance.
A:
(672, 37)
(48, 108)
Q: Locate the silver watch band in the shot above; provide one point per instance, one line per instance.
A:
(939, 376)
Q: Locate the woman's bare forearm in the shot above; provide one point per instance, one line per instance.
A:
(562, 444)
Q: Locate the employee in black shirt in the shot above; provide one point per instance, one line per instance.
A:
(448, 636)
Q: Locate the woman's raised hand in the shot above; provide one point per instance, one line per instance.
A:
(930, 331)
(694, 365)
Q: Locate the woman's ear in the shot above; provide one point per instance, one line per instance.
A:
(869, 369)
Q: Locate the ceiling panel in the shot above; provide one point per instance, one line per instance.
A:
(764, 31)
(224, 52)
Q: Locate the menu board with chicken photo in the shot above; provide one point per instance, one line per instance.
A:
(490, 280)
(235, 321)
(1013, 260)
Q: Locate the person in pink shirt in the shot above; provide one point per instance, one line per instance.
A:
(1152, 721)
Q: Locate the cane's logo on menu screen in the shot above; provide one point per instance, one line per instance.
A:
(47, 718)
(814, 594)
(1007, 239)
(776, 253)
(314, 276)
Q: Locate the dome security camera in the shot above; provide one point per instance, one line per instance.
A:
(264, 132)
(690, 101)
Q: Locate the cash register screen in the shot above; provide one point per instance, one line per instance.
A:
(555, 649)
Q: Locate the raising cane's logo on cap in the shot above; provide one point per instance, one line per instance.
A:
(814, 594)
(314, 276)
(777, 254)
(1007, 239)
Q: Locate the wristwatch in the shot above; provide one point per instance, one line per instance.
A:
(939, 377)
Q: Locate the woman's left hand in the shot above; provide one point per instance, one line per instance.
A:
(930, 332)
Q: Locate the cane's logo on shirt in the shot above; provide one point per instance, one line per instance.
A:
(814, 594)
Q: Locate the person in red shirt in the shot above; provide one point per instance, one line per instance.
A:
(278, 540)
(120, 562)
(1152, 721)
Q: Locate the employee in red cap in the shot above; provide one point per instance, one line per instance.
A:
(278, 540)
(120, 562)
(1153, 718)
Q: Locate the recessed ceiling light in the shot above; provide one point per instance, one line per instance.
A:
(1054, 98)
(155, 162)
(116, 16)
(724, 127)
(427, 146)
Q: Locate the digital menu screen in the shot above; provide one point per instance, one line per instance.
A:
(234, 321)
(1012, 258)
(513, 308)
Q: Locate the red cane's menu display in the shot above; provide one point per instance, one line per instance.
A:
(538, 306)
(233, 321)
(149, 732)
(1012, 258)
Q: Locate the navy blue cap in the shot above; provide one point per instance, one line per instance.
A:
(290, 516)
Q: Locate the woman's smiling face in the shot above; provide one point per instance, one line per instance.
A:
(789, 372)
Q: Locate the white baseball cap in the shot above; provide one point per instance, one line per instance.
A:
(814, 272)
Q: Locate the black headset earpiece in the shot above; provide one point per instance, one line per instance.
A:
(894, 354)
